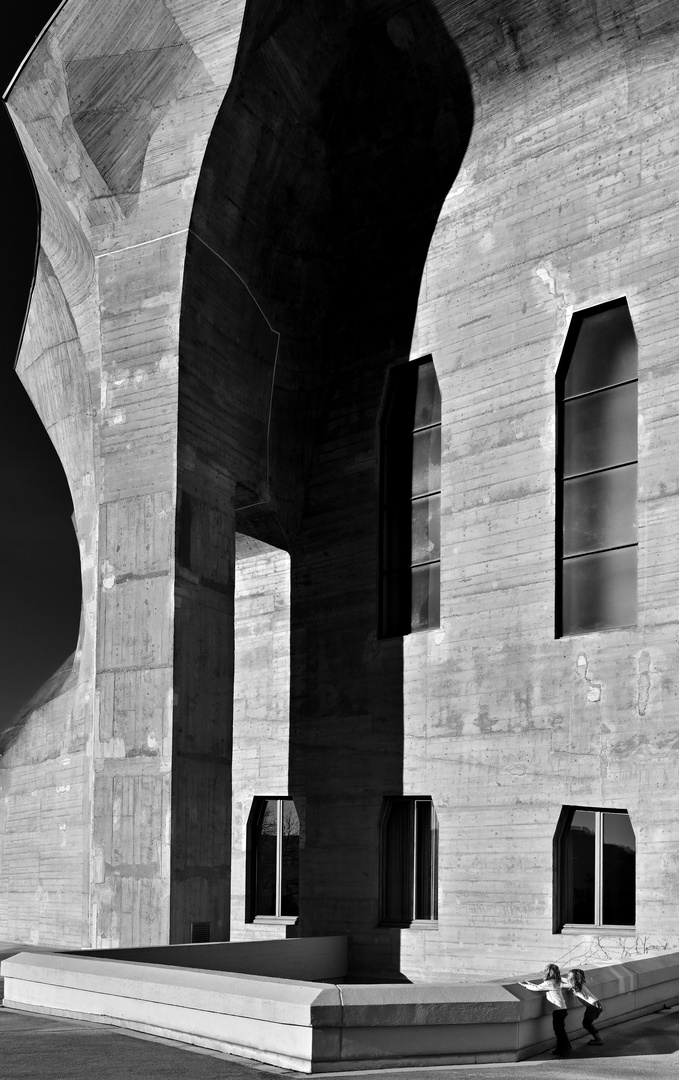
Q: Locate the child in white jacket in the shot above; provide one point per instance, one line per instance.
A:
(576, 983)
(552, 987)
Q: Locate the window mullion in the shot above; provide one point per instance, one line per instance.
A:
(598, 869)
(279, 855)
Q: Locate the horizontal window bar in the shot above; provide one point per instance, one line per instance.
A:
(429, 562)
(427, 427)
(599, 551)
(601, 389)
(607, 468)
(425, 495)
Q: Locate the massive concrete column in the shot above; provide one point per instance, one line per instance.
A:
(124, 767)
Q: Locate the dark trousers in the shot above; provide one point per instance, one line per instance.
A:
(558, 1022)
(591, 1014)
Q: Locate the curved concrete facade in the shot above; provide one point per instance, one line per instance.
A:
(248, 213)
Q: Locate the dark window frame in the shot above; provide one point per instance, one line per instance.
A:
(560, 882)
(567, 355)
(396, 563)
(257, 811)
(416, 873)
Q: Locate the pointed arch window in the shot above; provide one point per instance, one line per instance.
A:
(595, 869)
(410, 492)
(273, 860)
(597, 472)
(409, 852)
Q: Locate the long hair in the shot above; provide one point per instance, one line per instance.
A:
(577, 976)
(552, 972)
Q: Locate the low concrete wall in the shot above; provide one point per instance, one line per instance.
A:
(314, 1028)
(316, 959)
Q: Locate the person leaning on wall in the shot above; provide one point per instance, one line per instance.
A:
(551, 986)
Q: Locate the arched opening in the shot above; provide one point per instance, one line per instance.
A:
(327, 167)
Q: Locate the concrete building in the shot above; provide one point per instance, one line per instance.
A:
(286, 252)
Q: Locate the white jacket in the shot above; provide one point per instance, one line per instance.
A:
(583, 993)
(554, 994)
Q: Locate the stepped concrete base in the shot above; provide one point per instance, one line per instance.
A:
(311, 1027)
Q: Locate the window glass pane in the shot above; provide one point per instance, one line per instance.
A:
(426, 461)
(599, 591)
(265, 861)
(619, 857)
(428, 398)
(398, 846)
(600, 510)
(600, 430)
(578, 868)
(425, 596)
(424, 860)
(290, 855)
(605, 351)
(426, 529)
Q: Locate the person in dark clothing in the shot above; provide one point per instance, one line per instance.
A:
(551, 986)
(593, 1008)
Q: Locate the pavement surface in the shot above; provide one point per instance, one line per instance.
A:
(36, 1047)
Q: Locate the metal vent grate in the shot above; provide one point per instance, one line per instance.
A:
(200, 931)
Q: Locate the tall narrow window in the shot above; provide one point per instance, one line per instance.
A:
(274, 859)
(595, 853)
(409, 861)
(410, 500)
(597, 472)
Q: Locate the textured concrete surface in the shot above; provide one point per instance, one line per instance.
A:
(226, 273)
(312, 1027)
(38, 1048)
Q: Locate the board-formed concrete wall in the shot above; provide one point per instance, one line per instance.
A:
(113, 108)
(244, 224)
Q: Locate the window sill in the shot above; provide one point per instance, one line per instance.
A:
(600, 931)
(416, 924)
(275, 920)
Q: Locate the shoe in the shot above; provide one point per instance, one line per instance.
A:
(596, 1042)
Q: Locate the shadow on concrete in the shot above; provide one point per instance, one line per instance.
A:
(339, 138)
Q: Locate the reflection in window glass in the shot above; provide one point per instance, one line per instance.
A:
(579, 868)
(289, 859)
(275, 858)
(599, 511)
(605, 352)
(409, 861)
(425, 592)
(597, 466)
(600, 430)
(596, 592)
(410, 501)
(619, 869)
(596, 869)
(266, 858)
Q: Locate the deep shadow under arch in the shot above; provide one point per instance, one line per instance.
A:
(326, 170)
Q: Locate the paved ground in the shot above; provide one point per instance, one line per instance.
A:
(34, 1047)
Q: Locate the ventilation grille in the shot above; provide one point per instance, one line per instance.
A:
(200, 931)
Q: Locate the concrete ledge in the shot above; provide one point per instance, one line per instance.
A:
(310, 1027)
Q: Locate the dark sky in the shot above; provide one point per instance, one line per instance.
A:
(39, 563)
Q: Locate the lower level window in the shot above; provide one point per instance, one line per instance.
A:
(595, 854)
(274, 859)
(409, 884)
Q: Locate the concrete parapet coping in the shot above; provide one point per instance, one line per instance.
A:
(312, 1027)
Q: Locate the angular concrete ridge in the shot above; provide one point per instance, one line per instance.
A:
(314, 1028)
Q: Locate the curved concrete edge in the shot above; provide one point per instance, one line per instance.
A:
(311, 1027)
